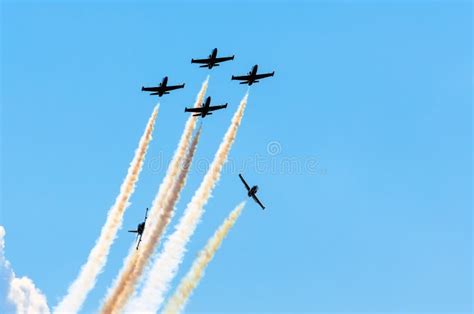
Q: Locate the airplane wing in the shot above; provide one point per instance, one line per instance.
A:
(172, 87)
(258, 201)
(245, 183)
(204, 61)
(241, 78)
(198, 109)
(139, 240)
(222, 59)
(151, 89)
(212, 108)
(260, 76)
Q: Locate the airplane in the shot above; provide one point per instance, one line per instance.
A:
(162, 89)
(140, 229)
(212, 61)
(252, 191)
(205, 108)
(252, 77)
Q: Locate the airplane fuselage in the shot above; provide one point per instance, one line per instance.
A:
(254, 70)
(253, 191)
(205, 107)
(141, 228)
(252, 74)
(212, 58)
(163, 84)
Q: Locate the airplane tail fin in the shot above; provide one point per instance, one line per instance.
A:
(203, 66)
(133, 231)
(154, 94)
(196, 114)
(244, 82)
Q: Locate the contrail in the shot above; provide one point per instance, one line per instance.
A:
(179, 299)
(86, 280)
(166, 265)
(124, 285)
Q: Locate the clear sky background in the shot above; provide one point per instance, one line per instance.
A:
(371, 100)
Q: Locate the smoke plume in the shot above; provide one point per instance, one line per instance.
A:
(87, 277)
(179, 299)
(23, 296)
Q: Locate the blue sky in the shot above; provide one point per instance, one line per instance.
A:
(375, 97)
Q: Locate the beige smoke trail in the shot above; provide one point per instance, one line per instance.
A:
(179, 299)
(86, 280)
(166, 265)
(159, 218)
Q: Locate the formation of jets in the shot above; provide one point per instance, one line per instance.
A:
(211, 61)
(204, 110)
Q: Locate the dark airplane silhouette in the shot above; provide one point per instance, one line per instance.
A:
(252, 77)
(252, 191)
(212, 61)
(205, 108)
(162, 89)
(140, 229)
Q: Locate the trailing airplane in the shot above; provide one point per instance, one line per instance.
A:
(252, 76)
(162, 89)
(205, 108)
(140, 229)
(212, 61)
(252, 191)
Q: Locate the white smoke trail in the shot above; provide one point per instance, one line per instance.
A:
(87, 278)
(124, 284)
(166, 265)
(27, 298)
(178, 300)
(22, 293)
